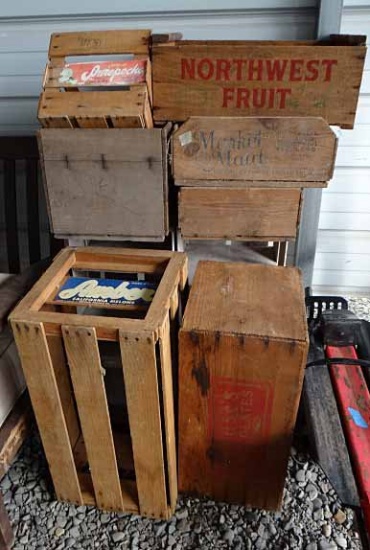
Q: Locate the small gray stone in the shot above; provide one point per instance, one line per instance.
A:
(182, 513)
(326, 530)
(341, 541)
(317, 503)
(327, 512)
(318, 515)
(75, 532)
(104, 518)
(311, 491)
(300, 476)
(311, 546)
(171, 541)
(260, 543)
(171, 528)
(228, 536)
(118, 536)
(222, 519)
(70, 542)
(289, 524)
(61, 521)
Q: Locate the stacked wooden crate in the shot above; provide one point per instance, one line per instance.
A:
(105, 166)
(241, 178)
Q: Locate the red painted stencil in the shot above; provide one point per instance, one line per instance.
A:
(239, 411)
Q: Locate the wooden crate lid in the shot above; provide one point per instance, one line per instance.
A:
(242, 299)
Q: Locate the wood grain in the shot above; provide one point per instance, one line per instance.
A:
(106, 183)
(6, 532)
(254, 148)
(55, 106)
(221, 80)
(141, 383)
(168, 406)
(241, 374)
(87, 378)
(250, 183)
(99, 42)
(42, 385)
(243, 214)
(14, 432)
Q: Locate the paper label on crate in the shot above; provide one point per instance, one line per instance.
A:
(106, 291)
(240, 411)
(105, 73)
(185, 138)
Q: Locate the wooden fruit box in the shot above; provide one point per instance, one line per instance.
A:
(259, 78)
(243, 347)
(62, 328)
(106, 183)
(250, 214)
(130, 107)
(253, 151)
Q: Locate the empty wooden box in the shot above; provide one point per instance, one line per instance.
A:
(243, 347)
(94, 303)
(106, 183)
(92, 101)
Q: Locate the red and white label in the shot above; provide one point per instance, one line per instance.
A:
(106, 73)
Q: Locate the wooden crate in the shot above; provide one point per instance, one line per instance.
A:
(127, 108)
(243, 347)
(259, 78)
(92, 461)
(253, 151)
(254, 214)
(106, 184)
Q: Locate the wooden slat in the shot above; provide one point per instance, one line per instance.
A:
(42, 385)
(245, 214)
(11, 216)
(241, 79)
(326, 432)
(6, 532)
(14, 431)
(47, 283)
(247, 183)
(168, 405)
(140, 376)
(87, 378)
(91, 122)
(61, 372)
(58, 105)
(99, 43)
(172, 278)
(254, 148)
(33, 219)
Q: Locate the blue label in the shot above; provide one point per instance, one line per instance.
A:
(106, 291)
(357, 418)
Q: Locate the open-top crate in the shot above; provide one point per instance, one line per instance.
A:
(129, 106)
(67, 343)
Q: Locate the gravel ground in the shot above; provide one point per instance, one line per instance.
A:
(312, 517)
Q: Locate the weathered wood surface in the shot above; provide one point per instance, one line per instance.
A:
(258, 79)
(6, 532)
(254, 148)
(42, 385)
(121, 109)
(14, 431)
(105, 183)
(88, 384)
(243, 348)
(240, 214)
(142, 393)
(99, 42)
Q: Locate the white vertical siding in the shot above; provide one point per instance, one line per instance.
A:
(342, 263)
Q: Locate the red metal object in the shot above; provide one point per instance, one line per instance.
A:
(353, 400)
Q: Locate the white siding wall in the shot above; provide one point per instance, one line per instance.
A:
(342, 263)
(25, 29)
